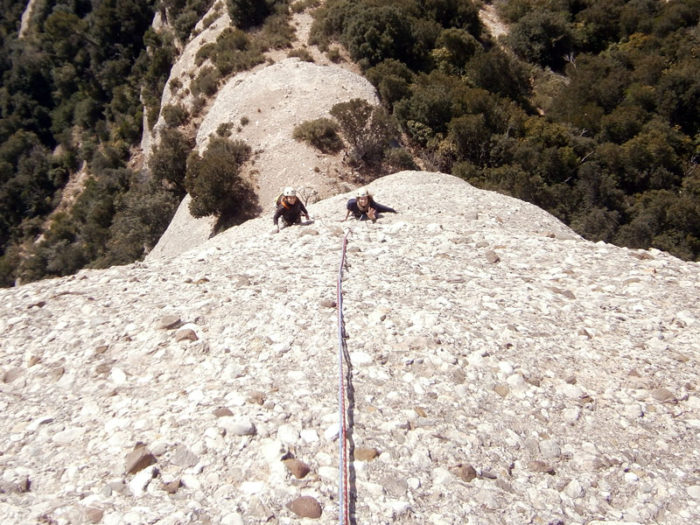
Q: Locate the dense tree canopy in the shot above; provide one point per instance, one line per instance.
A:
(587, 109)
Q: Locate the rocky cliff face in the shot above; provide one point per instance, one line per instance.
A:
(273, 100)
(262, 106)
(503, 371)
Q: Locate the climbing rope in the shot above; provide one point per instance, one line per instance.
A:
(343, 489)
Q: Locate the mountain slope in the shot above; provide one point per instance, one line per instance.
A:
(273, 100)
(504, 370)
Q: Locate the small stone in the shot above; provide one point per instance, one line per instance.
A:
(257, 398)
(540, 466)
(328, 303)
(633, 411)
(222, 412)
(694, 491)
(237, 427)
(365, 454)
(57, 372)
(141, 480)
(309, 435)
(94, 515)
(287, 434)
(171, 487)
(305, 507)
(183, 457)
(298, 468)
(331, 433)
(550, 448)
(186, 334)
(574, 489)
(19, 486)
(11, 375)
(631, 477)
(492, 257)
(501, 389)
(663, 395)
(168, 322)
(232, 519)
(138, 459)
(465, 472)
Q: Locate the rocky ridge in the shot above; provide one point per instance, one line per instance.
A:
(503, 371)
(262, 106)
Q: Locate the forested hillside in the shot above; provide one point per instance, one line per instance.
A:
(588, 109)
(72, 96)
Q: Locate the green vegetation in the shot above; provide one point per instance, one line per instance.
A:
(73, 94)
(371, 133)
(590, 110)
(321, 133)
(302, 54)
(214, 183)
(368, 129)
(70, 98)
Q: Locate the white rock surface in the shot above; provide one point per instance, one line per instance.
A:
(274, 99)
(603, 428)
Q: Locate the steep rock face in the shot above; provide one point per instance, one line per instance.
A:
(273, 101)
(503, 371)
(184, 70)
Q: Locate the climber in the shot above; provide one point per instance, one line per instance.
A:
(289, 209)
(364, 207)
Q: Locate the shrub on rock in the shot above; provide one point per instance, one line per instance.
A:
(214, 183)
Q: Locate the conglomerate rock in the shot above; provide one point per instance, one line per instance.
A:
(503, 371)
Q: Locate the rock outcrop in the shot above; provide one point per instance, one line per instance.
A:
(503, 371)
(271, 102)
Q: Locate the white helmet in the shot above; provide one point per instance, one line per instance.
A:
(362, 192)
(289, 192)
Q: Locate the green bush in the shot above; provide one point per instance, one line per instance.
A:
(302, 54)
(392, 80)
(206, 82)
(320, 133)
(497, 72)
(453, 49)
(542, 37)
(334, 55)
(145, 211)
(398, 159)
(375, 34)
(246, 14)
(302, 5)
(214, 183)
(276, 32)
(224, 129)
(168, 161)
(368, 129)
(175, 115)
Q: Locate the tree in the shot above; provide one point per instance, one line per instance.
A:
(542, 37)
(392, 79)
(214, 182)
(249, 13)
(369, 129)
(168, 162)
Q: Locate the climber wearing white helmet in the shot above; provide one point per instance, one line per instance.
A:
(364, 207)
(289, 208)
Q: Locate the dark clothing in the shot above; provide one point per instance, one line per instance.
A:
(362, 214)
(290, 213)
